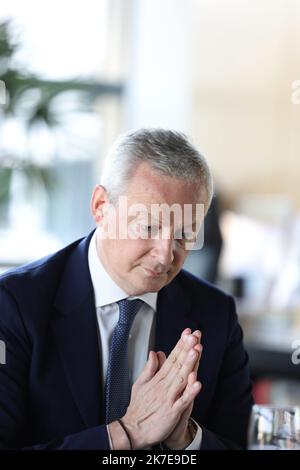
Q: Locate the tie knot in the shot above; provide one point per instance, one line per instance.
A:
(128, 310)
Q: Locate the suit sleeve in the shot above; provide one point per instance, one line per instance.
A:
(14, 373)
(226, 426)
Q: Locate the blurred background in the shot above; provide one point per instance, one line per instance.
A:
(226, 72)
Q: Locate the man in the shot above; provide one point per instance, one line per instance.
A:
(79, 325)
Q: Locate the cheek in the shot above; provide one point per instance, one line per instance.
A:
(179, 257)
(131, 252)
(117, 254)
(140, 252)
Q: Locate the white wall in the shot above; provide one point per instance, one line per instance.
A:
(222, 71)
(245, 62)
(159, 76)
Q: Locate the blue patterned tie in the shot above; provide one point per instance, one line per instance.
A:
(117, 385)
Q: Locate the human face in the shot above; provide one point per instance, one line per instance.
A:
(143, 265)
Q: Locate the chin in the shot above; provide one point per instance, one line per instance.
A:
(153, 285)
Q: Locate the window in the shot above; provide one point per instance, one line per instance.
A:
(52, 142)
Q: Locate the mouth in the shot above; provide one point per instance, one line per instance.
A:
(151, 273)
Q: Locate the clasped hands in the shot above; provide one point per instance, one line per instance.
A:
(162, 398)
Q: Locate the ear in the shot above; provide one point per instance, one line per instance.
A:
(99, 198)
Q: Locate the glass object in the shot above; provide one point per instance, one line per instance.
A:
(274, 428)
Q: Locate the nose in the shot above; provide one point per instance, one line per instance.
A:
(163, 251)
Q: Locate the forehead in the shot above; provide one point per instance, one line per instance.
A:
(148, 186)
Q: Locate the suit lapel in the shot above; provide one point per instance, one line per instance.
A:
(75, 330)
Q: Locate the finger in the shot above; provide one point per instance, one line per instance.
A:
(199, 349)
(187, 413)
(188, 396)
(198, 334)
(177, 378)
(180, 375)
(188, 342)
(161, 358)
(149, 369)
(186, 332)
(187, 357)
(192, 378)
(181, 343)
(174, 381)
(176, 351)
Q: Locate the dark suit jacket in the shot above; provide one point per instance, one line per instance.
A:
(50, 387)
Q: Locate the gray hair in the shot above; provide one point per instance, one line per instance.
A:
(168, 152)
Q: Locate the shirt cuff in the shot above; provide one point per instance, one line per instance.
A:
(196, 443)
(109, 438)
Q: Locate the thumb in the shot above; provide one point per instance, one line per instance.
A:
(149, 369)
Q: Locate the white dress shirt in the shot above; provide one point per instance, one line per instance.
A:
(142, 335)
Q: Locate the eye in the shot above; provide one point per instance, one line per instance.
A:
(184, 235)
(184, 238)
(181, 235)
(149, 229)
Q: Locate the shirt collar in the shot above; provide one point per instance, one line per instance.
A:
(105, 289)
